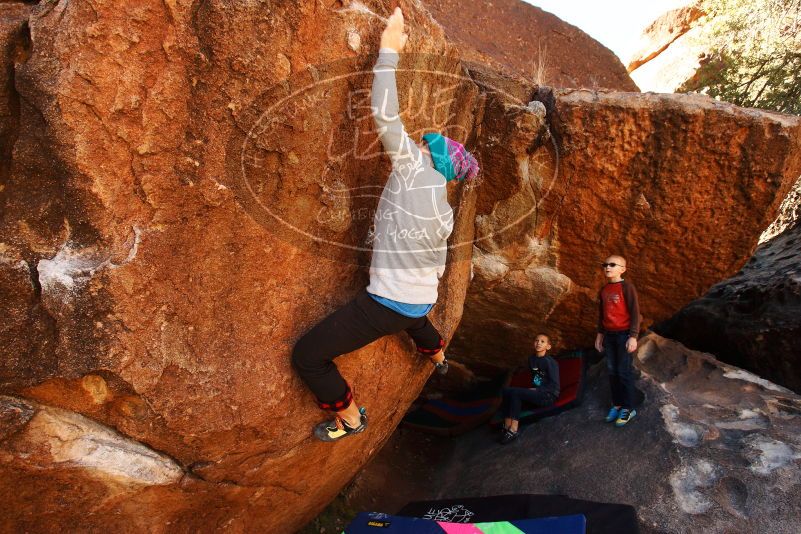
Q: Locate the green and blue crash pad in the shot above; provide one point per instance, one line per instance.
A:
(602, 518)
(377, 523)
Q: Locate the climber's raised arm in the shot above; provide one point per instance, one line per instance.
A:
(384, 93)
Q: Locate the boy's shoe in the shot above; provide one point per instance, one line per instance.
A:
(613, 414)
(338, 428)
(441, 367)
(508, 436)
(625, 416)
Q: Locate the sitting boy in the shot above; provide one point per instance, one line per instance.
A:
(544, 388)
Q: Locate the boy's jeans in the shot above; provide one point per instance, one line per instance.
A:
(513, 398)
(618, 364)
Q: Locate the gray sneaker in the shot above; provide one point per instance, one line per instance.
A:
(508, 436)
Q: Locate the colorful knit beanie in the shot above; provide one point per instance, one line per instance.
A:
(451, 158)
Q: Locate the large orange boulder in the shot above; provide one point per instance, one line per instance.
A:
(681, 185)
(182, 203)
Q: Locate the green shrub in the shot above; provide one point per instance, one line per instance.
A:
(755, 58)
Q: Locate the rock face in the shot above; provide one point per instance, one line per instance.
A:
(789, 215)
(681, 185)
(169, 160)
(42, 437)
(753, 319)
(12, 46)
(523, 40)
(671, 51)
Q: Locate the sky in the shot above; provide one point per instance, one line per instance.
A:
(615, 23)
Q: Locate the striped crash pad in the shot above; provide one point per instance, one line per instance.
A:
(452, 416)
(456, 415)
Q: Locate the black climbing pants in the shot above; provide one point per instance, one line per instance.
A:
(358, 323)
(513, 398)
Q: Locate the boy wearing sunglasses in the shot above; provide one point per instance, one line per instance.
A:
(618, 327)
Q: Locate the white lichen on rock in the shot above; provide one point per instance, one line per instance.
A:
(687, 482)
(73, 267)
(72, 439)
(359, 7)
(740, 374)
(686, 435)
(67, 270)
(354, 40)
(769, 454)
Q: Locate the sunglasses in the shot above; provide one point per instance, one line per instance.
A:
(605, 265)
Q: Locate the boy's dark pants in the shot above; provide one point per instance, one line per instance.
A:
(358, 323)
(618, 365)
(513, 399)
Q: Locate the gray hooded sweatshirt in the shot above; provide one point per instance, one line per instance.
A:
(413, 219)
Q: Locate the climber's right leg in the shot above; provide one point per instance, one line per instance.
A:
(351, 327)
(313, 356)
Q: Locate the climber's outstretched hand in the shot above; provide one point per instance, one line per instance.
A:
(393, 36)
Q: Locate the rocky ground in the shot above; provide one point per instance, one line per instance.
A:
(713, 449)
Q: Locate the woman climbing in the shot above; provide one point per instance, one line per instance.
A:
(409, 246)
